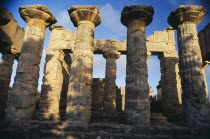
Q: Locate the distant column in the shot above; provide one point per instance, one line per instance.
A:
(79, 95)
(137, 107)
(23, 94)
(110, 89)
(185, 19)
(52, 80)
(5, 77)
(170, 85)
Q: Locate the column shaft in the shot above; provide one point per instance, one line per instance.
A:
(79, 90)
(193, 85)
(171, 87)
(5, 77)
(110, 87)
(23, 93)
(137, 107)
(52, 86)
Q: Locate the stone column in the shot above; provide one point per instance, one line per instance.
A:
(137, 107)
(79, 95)
(23, 93)
(52, 80)
(170, 85)
(185, 19)
(110, 89)
(5, 76)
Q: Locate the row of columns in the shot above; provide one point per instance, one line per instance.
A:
(86, 18)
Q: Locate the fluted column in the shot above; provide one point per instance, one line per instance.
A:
(5, 76)
(23, 93)
(110, 89)
(137, 107)
(79, 95)
(170, 85)
(185, 19)
(52, 80)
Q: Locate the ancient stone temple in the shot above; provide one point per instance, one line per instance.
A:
(75, 105)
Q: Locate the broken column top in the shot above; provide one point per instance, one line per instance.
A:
(37, 11)
(137, 12)
(186, 13)
(84, 13)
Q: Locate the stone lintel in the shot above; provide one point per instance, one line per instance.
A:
(143, 13)
(186, 14)
(84, 14)
(37, 11)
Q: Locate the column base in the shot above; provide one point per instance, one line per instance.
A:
(47, 116)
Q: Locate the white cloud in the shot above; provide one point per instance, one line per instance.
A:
(110, 21)
(64, 20)
(99, 65)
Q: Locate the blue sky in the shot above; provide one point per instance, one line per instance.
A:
(110, 28)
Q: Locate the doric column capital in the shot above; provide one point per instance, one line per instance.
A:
(186, 14)
(142, 13)
(112, 54)
(84, 15)
(38, 12)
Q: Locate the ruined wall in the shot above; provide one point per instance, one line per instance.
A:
(14, 32)
(11, 39)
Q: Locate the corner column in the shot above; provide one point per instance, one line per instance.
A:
(5, 77)
(79, 94)
(23, 94)
(110, 89)
(185, 19)
(137, 107)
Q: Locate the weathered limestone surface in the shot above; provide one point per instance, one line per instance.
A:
(85, 18)
(11, 38)
(98, 94)
(185, 19)
(54, 78)
(162, 43)
(66, 68)
(121, 99)
(5, 76)
(110, 91)
(170, 85)
(3, 18)
(137, 107)
(204, 42)
(22, 101)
